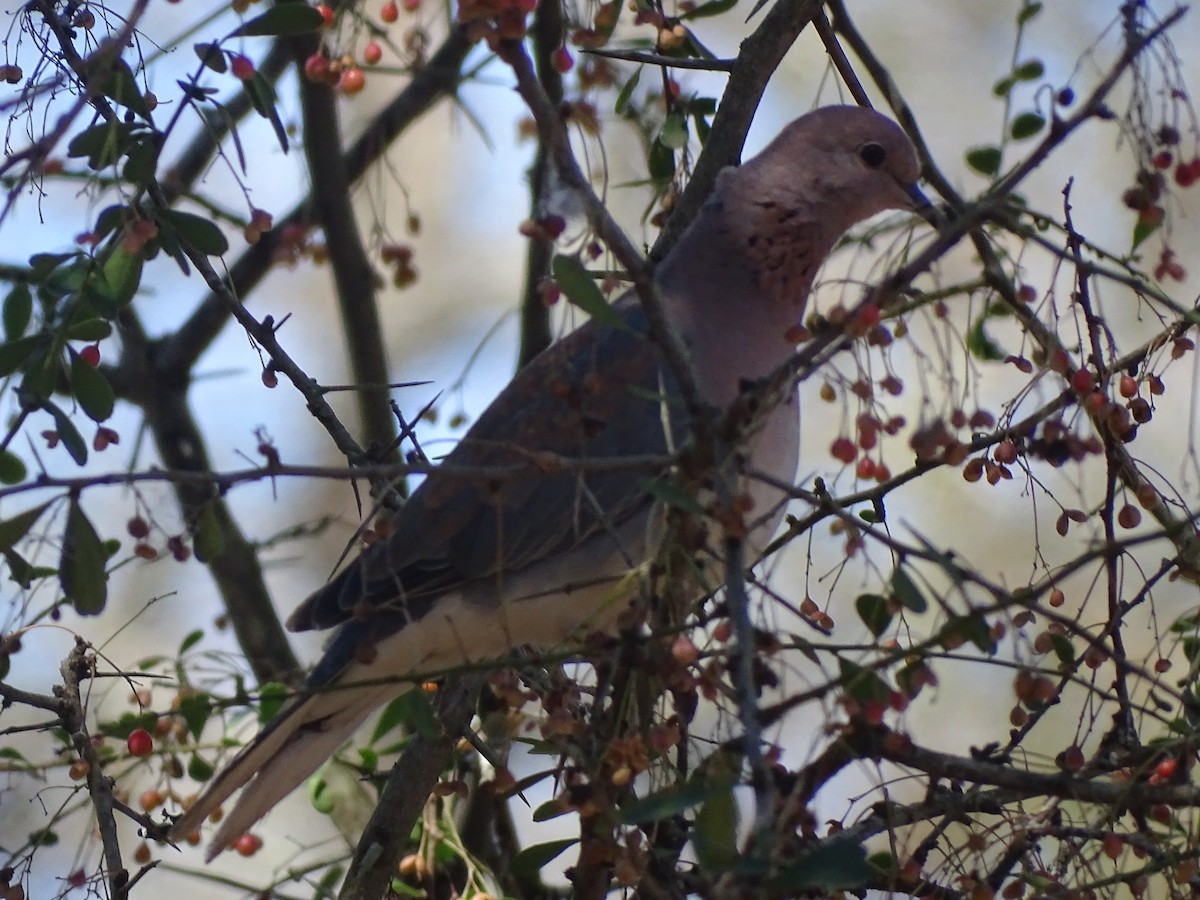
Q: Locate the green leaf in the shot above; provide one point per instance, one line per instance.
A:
(191, 640)
(127, 723)
(262, 98)
(42, 264)
(14, 353)
(621, 107)
(199, 769)
(68, 433)
(12, 530)
(984, 160)
(1026, 125)
(1030, 70)
(322, 799)
(581, 290)
(271, 697)
(674, 132)
(530, 861)
(393, 716)
(1028, 11)
(116, 82)
(670, 801)
(714, 832)
(141, 160)
(907, 592)
(81, 567)
(91, 389)
(44, 837)
(862, 684)
(1063, 648)
(874, 612)
(369, 759)
(974, 628)
(980, 343)
(419, 714)
(285, 20)
(208, 540)
(551, 809)
(195, 710)
(203, 234)
(18, 310)
(210, 54)
(1002, 87)
(661, 163)
(12, 468)
(1143, 228)
(837, 864)
(91, 330)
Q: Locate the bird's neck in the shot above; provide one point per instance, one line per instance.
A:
(734, 285)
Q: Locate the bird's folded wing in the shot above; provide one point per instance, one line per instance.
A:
(599, 396)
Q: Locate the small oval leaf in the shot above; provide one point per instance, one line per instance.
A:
(12, 468)
(874, 612)
(1026, 125)
(984, 160)
(581, 289)
(81, 567)
(91, 389)
(203, 234)
(71, 439)
(531, 860)
(18, 310)
(14, 353)
(1030, 70)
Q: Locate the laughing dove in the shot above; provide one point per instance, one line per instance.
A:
(474, 566)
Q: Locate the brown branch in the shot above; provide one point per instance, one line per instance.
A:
(548, 33)
(353, 273)
(377, 855)
(76, 668)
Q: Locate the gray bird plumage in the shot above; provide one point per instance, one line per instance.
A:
(475, 566)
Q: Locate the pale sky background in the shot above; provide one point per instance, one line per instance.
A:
(944, 55)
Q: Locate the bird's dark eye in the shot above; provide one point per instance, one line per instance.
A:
(872, 154)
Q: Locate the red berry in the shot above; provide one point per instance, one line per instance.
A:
(1166, 768)
(242, 67)
(1082, 381)
(1185, 174)
(248, 844)
(316, 67)
(137, 527)
(1129, 516)
(352, 80)
(1005, 452)
(326, 15)
(389, 13)
(1162, 159)
(90, 354)
(372, 53)
(561, 60)
(843, 450)
(140, 743)
(1128, 386)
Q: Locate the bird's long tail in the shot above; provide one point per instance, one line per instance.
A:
(303, 736)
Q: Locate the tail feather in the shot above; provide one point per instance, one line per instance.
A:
(302, 737)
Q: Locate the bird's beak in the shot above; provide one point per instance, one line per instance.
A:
(924, 208)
